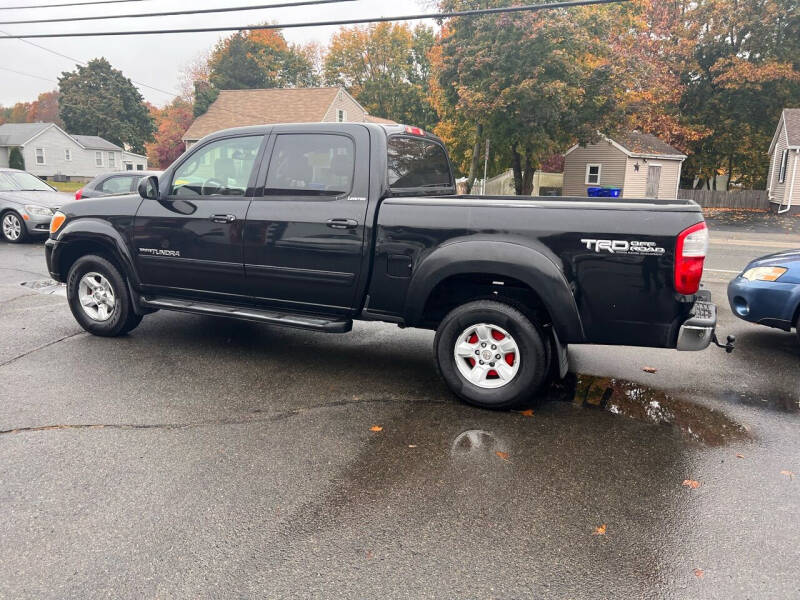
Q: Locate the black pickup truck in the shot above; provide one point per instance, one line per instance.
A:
(316, 225)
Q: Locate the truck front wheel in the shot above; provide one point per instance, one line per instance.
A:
(99, 299)
(490, 354)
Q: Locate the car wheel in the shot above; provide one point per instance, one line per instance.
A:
(13, 227)
(490, 354)
(99, 299)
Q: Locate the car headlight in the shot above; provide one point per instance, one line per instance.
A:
(57, 221)
(38, 211)
(764, 273)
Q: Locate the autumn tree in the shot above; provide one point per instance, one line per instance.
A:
(533, 83)
(387, 69)
(97, 99)
(45, 109)
(744, 69)
(171, 123)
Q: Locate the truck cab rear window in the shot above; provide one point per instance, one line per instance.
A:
(417, 163)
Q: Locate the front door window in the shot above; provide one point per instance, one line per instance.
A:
(221, 168)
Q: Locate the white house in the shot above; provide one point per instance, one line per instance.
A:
(783, 180)
(50, 152)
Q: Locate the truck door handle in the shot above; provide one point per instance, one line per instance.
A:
(223, 218)
(342, 223)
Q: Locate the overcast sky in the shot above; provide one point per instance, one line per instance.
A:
(155, 60)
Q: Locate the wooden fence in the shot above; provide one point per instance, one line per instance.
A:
(742, 199)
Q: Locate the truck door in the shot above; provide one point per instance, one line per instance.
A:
(190, 239)
(304, 235)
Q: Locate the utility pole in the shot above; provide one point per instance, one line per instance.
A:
(485, 166)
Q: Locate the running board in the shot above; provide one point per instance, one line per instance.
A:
(259, 315)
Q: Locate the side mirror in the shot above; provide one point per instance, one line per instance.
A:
(148, 187)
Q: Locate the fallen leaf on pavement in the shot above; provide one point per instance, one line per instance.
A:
(503, 455)
(740, 456)
(789, 474)
(376, 428)
(527, 413)
(412, 445)
(691, 483)
(650, 370)
(600, 530)
(699, 573)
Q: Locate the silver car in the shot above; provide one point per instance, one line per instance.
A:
(26, 205)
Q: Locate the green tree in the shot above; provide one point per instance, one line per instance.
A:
(99, 100)
(259, 59)
(387, 69)
(533, 83)
(16, 160)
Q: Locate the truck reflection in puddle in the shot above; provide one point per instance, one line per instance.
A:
(639, 402)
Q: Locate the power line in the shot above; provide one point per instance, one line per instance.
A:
(27, 74)
(70, 4)
(81, 62)
(179, 12)
(417, 17)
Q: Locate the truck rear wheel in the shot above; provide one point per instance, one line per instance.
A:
(490, 354)
(99, 299)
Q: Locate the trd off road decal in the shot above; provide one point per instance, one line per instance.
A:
(624, 247)
(157, 252)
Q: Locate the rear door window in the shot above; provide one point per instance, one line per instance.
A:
(417, 163)
(311, 165)
(116, 185)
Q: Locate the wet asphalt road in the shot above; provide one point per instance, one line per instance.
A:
(205, 458)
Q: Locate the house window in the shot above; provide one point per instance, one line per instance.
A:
(140, 167)
(341, 115)
(40, 156)
(98, 159)
(784, 164)
(593, 174)
(67, 154)
(112, 160)
(129, 166)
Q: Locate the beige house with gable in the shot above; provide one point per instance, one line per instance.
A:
(239, 108)
(640, 164)
(783, 180)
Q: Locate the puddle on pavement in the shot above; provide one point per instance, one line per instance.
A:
(639, 402)
(777, 402)
(46, 286)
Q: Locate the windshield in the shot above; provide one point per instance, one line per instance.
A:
(18, 181)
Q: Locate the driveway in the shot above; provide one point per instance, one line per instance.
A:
(205, 458)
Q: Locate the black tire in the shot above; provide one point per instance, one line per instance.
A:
(14, 216)
(533, 366)
(797, 327)
(123, 319)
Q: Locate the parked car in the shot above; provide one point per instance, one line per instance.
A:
(26, 205)
(767, 292)
(108, 184)
(315, 225)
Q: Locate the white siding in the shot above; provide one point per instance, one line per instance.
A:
(793, 174)
(135, 159)
(777, 190)
(354, 113)
(636, 182)
(3, 157)
(54, 142)
(612, 173)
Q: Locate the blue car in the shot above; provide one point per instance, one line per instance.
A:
(767, 292)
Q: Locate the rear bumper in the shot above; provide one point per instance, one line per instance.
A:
(698, 330)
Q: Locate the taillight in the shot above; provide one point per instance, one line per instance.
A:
(690, 254)
(79, 194)
(414, 130)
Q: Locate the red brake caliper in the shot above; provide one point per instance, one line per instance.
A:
(497, 337)
(473, 339)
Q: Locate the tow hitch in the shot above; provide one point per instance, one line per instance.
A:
(729, 347)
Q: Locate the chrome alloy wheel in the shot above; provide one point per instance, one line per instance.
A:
(12, 227)
(487, 356)
(96, 297)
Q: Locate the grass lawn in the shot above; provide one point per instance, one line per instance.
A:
(67, 186)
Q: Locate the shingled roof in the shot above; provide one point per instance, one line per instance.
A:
(791, 117)
(239, 108)
(636, 142)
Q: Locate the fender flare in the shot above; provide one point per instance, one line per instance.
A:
(528, 265)
(102, 233)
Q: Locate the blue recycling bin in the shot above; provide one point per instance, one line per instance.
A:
(594, 192)
(604, 192)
